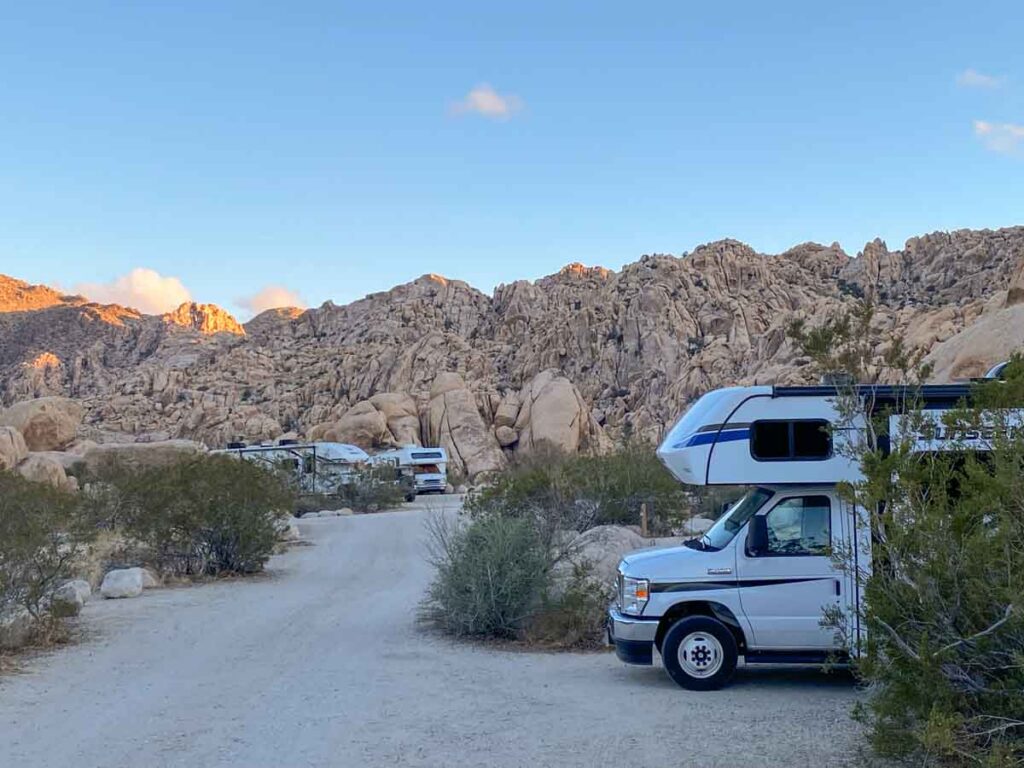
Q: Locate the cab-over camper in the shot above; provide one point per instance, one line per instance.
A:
(755, 587)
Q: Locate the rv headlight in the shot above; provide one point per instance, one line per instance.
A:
(635, 593)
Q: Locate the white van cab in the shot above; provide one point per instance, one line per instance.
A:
(754, 589)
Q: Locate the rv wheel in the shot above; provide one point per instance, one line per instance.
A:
(699, 653)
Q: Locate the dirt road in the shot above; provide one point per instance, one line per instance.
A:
(321, 664)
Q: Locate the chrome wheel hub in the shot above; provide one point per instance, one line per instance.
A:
(700, 654)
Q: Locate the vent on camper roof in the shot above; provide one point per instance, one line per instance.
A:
(235, 446)
(287, 442)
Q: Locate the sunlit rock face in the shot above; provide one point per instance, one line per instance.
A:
(204, 318)
(595, 353)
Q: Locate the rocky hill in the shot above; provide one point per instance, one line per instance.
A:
(575, 358)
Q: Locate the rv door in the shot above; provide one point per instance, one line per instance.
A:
(790, 581)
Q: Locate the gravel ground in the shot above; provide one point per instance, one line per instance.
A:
(321, 664)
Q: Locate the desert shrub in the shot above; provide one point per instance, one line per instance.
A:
(577, 492)
(944, 600)
(41, 536)
(371, 490)
(575, 619)
(491, 576)
(203, 515)
(313, 502)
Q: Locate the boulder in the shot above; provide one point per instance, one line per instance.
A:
(47, 423)
(288, 529)
(16, 627)
(149, 579)
(70, 598)
(992, 338)
(554, 415)
(40, 468)
(402, 416)
(599, 549)
(140, 455)
(446, 381)
(507, 411)
(506, 436)
(70, 462)
(455, 424)
(123, 582)
(361, 425)
(12, 447)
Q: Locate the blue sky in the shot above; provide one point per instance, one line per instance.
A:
(333, 149)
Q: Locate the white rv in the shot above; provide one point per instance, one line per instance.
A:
(318, 467)
(755, 587)
(428, 465)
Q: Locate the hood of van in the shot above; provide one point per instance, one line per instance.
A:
(678, 564)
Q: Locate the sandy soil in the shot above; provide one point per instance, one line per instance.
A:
(321, 664)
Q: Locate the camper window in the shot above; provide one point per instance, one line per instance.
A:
(804, 440)
(800, 525)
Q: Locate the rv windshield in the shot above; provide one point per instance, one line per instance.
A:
(723, 531)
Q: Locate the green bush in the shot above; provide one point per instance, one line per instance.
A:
(944, 601)
(491, 576)
(204, 515)
(577, 492)
(41, 535)
(495, 572)
(575, 620)
(372, 489)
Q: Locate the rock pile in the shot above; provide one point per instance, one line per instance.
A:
(574, 359)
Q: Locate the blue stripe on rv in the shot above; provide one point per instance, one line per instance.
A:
(706, 438)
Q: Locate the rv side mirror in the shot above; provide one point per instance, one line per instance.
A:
(757, 536)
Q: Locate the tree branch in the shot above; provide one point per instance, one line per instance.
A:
(1006, 617)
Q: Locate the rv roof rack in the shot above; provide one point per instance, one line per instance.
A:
(886, 394)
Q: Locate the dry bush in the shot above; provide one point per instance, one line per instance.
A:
(42, 535)
(491, 576)
(203, 515)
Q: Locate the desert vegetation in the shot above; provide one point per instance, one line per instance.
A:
(944, 608)
(199, 516)
(516, 565)
(373, 489)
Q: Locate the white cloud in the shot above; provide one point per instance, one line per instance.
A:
(1005, 138)
(972, 78)
(143, 289)
(271, 297)
(485, 101)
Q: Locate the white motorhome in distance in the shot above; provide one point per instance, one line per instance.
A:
(756, 586)
(428, 464)
(318, 467)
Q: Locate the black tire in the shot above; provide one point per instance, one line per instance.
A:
(709, 644)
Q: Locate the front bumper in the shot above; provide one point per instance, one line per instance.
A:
(632, 636)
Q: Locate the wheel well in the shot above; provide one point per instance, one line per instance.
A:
(700, 608)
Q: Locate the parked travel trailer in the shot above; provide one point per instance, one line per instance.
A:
(428, 465)
(318, 467)
(755, 587)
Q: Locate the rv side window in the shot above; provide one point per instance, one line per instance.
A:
(807, 439)
(800, 526)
